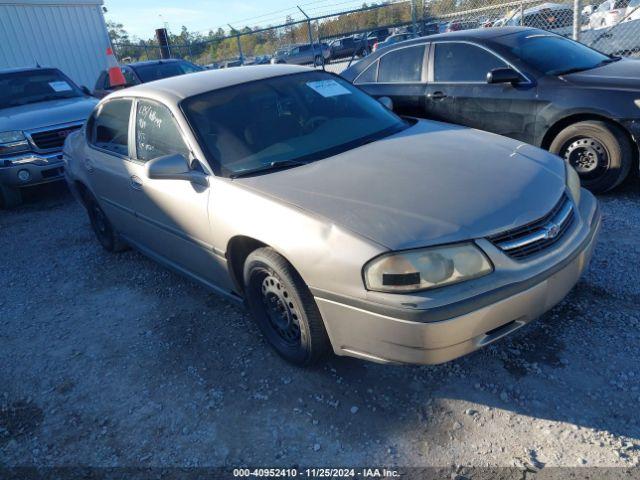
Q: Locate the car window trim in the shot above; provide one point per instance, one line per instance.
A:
(104, 150)
(423, 76)
(432, 72)
(132, 133)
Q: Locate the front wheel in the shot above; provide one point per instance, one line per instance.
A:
(599, 151)
(284, 308)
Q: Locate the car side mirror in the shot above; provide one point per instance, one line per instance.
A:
(503, 75)
(175, 167)
(387, 102)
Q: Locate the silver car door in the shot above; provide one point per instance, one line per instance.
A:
(172, 215)
(106, 160)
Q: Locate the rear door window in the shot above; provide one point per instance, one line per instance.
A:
(110, 126)
(462, 62)
(402, 65)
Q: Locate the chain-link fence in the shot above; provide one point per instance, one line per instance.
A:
(336, 39)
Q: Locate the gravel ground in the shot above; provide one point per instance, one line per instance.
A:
(111, 360)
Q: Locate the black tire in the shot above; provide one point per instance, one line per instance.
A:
(10, 197)
(283, 308)
(317, 61)
(104, 231)
(600, 152)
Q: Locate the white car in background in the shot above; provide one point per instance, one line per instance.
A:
(633, 11)
(608, 13)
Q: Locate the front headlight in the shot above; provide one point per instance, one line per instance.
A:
(415, 270)
(573, 183)
(13, 142)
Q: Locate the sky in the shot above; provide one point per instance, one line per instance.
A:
(142, 17)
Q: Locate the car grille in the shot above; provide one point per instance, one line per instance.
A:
(537, 236)
(52, 138)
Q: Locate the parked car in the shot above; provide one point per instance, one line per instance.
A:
(547, 16)
(633, 11)
(608, 13)
(458, 25)
(39, 107)
(535, 86)
(303, 54)
(348, 47)
(398, 37)
(339, 224)
(143, 72)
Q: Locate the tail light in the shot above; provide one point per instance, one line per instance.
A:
(375, 47)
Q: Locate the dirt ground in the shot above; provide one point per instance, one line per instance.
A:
(111, 360)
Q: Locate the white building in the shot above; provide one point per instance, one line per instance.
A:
(70, 35)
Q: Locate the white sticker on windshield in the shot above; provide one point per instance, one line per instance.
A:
(328, 88)
(60, 86)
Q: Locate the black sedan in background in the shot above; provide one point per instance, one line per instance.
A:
(523, 83)
(143, 72)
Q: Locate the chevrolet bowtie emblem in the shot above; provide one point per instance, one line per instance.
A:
(551, 231)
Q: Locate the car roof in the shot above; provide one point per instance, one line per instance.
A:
(471, 34)
(25, 69)
(174, 89)
(153, 62)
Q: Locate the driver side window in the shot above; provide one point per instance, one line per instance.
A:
(157, 133)
(109, 128)
(463, 62)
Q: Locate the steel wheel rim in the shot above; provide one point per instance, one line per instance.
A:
(587, 156)
(280, 310)
(100, 222)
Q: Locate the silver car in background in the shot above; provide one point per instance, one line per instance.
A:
(340, 225)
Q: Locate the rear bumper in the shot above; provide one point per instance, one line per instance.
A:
(41, 169)
(384, 338)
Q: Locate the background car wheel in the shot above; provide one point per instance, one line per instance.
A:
(600, 152)
(283, 308)
(10, 196)
(103, 229)
(317, 61)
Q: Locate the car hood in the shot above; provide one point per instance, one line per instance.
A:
(44, 114)
(621, 75)
(431, 183)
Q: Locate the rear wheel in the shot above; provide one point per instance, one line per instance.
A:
(284, 308)
(10, 197)
(104, 231)
(599, 151)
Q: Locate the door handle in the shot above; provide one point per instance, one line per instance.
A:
(136, 183)
(436, 95)
(88, 165)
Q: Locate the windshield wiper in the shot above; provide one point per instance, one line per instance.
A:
(270, 167)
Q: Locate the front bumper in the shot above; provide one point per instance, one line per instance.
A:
(416, 338)
(42, 168)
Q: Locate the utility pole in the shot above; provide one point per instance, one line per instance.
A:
(240, 55)
(414, 16)
(577, 13)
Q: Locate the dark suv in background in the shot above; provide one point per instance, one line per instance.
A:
(143, 72)
(523, 83)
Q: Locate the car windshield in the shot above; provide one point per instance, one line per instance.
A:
(285, 120)
(156, 71)
(33, 86)
(552, 54)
